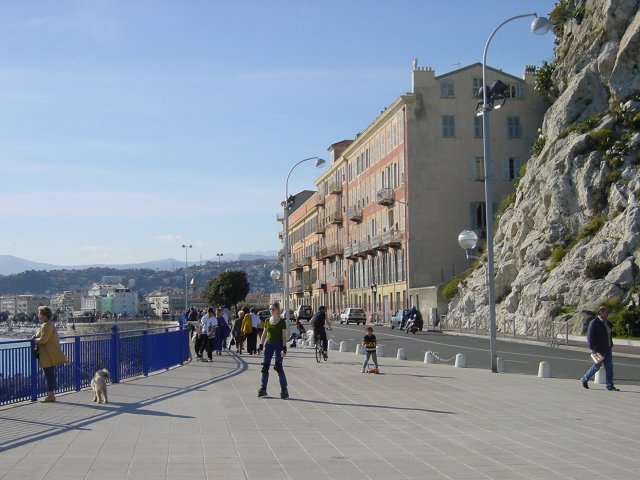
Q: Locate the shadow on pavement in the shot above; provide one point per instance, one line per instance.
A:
(342, 404)
(25, 425)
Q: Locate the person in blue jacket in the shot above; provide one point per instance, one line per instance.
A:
(600, 342)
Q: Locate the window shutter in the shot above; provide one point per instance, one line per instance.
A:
(472, 169)
(505, 169)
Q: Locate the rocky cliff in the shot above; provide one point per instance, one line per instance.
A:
(570, 239)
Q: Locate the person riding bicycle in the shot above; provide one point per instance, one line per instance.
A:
(319, 321)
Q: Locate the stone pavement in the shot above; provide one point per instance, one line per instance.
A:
(205, 421)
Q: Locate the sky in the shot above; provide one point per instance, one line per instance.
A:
(129, 128)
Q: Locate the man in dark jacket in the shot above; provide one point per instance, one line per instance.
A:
(600, 342)
(319, 331)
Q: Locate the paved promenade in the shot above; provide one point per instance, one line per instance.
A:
(205, 421)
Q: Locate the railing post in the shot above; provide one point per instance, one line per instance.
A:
(77, 371)
(145, 353)
(115, 354)
(181, 340)
(34, 373)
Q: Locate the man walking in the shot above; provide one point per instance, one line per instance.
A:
(252, 338)
(600, 342)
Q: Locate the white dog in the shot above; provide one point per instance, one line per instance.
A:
(99, 386)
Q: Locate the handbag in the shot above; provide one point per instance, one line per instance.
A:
(232, 342)
(36, 353)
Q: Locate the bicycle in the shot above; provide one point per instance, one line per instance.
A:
(320, 351)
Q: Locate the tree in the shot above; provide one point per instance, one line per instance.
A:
(228, 288)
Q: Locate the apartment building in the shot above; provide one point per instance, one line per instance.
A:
(381, 232)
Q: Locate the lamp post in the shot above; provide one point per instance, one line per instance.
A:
(374, 290)
(288, 203)
(219, 255)
(539, 26)
(275, 275)
(186, 277)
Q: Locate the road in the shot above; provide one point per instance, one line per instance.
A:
(519, 358)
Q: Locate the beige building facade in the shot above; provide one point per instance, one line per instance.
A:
(381, 231)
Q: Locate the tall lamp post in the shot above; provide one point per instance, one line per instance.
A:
(374, 291)
(275, 275)
(497, 92)
(186, 277)
(219, 255)
(288, 203)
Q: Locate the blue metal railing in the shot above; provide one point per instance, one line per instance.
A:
(125, 354)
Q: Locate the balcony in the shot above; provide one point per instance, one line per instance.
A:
(281, 235)
(320, 285)
(296, 286)
(306, 262)
(281, 254)
(355, 250)
(334, 218)
(376, 242)
(334, 250)
(319, 229)
(347, 251)
(391, 239)
(384, 196)
(295, 265)
(335, 187)
(364, 248)
(338, 282)
(354, 214)
(319, 199)
(280, 217)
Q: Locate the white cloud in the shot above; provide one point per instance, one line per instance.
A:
(170, 238)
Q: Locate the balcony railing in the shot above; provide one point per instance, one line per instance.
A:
(376, 242)
(280, 217)
(281, 254)
(334, 218)
(347, 251)
(306, 262)
(296, 286)
(319, 199)
(391, 239)
(320, 285)
(281, 235)
(319, 228)
(354, 214)
(384, 196)
(295, 265)
(365, 247)
(334, 250)
(335, 187)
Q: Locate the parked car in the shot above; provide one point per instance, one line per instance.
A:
(399, 318)
(353, 315)
(303, 312)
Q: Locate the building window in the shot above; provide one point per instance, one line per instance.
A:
(478, 215)
(476, 169)
(448, 126)
(513, 127)
(511, 168)
(477, 85)
(446, 89)
(477, 127)
(514, 90)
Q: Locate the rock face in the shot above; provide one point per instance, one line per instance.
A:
(571, 238)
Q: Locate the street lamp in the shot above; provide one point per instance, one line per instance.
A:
(491, 95)
(219, 255)
(287, 204)
(186, 277)
(275, 275)
(374, 290)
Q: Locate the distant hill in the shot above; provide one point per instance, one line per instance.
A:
(10, 265)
